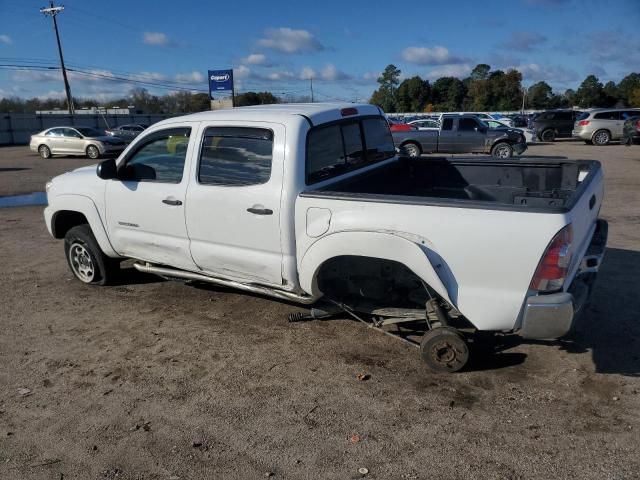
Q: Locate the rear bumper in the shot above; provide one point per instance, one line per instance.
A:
(552, 316)
(582, 134)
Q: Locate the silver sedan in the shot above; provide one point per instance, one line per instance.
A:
(74, 141)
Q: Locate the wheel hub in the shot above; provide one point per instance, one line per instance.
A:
(81, 263)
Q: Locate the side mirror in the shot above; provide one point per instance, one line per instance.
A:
(107, 169)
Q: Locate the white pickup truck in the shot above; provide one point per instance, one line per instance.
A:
(310, 203)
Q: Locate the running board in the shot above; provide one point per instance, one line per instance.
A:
(172, 272)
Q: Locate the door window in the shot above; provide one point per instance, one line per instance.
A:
(235, 156)
(54, 132)
(467, 124)
(160, 158)
(447, 124)
(70, 133)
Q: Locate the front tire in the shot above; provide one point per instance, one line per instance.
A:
(92, 152)
(601, 137)
(412, 149)
(502, 150)
(444, 350)
(85, 259)
(548, 135)
(44, 151)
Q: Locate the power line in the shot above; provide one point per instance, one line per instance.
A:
(53, 11)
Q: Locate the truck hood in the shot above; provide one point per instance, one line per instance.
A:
(81, 181)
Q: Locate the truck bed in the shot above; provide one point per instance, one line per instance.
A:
(535, 184)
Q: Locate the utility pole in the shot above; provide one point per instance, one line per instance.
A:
(52, 11)
(311, 83)
(524, 94)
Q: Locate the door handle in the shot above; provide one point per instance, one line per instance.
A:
(260, 211)
(170, 201)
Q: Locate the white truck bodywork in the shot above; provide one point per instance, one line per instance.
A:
(480, 260)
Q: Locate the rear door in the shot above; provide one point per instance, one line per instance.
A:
(448, 136)
(233, 201)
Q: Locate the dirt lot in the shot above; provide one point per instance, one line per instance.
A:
(160, 380)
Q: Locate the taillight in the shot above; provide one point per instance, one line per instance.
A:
(638, 125)
(554, 265)
(583, 123)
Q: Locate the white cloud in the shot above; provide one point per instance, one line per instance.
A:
(288, 40)
(242, 72)
(437, 55)
(458, 71)
(331, 74)
(535, 72)
(5, 39)
(191, 77)
(307, 72)
(255, 59)
(155, 38)
(278, 76)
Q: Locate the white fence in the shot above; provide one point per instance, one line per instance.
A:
(17, 128)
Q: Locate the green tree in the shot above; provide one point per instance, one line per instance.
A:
(626, 87)
(540, 96)
(385, 96)
(413, 94)
(570, 97)
(480, 72)
(634, 97)
(255, 98)
(448, 94)
(590, 93)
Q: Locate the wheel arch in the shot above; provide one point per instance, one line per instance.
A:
(416, 254)
(600, 130)
(68, 211)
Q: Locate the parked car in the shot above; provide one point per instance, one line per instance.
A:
(462, 134)
(554, 124)
(397, 126)
(425, 124)
(602, 125)
(529, 135)
(127, 132)
(631, 131)
(309, 203)
(75, 141)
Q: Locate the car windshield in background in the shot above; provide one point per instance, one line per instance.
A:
(346, 146)
(90, 132)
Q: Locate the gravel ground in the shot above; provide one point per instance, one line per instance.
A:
(159, 380)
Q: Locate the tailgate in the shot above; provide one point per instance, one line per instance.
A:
(583, 216)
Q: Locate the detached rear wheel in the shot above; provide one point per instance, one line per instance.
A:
(444, 350)
(502, 150)
(86, 261)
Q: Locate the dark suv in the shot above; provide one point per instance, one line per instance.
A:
(554, 124)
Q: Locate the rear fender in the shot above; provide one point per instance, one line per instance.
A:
(416, 253)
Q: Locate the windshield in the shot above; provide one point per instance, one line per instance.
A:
(89, 132)
(345, 146)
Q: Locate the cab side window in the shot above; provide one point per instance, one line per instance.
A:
(447, 124)
(467, 124)
(160, 158)
(235, 156)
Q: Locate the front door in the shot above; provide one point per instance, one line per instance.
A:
(471, 135)
(146, 206)
(233, 201)
(74, 142)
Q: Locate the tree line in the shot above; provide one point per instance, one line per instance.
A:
(141, 99)
(496, 90)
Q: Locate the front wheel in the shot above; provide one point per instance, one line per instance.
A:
(548, 135)
(502, 150)
(87, 262)
(601, 137)
(44, 151)
(412, 149)
(92, 152)
(444, 350)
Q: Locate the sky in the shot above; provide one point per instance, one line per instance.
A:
(278, 46)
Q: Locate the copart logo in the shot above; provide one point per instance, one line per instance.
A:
(220, 78)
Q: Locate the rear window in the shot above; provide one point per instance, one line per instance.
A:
(447, 124)
(342, 147)
(582, 116)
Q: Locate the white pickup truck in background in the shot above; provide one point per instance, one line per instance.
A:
(310, 203)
